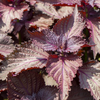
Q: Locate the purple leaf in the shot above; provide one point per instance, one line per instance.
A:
(90, 79)
(74, 44)
(26, 84)
(4, 28)
(71, 25)
(95, 36)
(45, 93)
(63, 70)
(24, 57)
(65, 34)
(69, 2)
(77, 93)
(46, 39)
(50, 10)
(48, 93)
(6, 44)
(17, 26)
(9, 13)
(27, 57)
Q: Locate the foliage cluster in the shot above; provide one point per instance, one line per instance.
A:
(45, 45)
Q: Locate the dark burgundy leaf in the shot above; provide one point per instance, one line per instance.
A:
(71, 25)
(77, 93)
(25, 84)
(48, 93)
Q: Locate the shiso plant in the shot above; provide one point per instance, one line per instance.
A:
(50, 49)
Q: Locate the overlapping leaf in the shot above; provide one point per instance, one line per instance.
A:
(97, 3)
(46, 39)
(74, 44)
(66, 36)
(45, 93)
(90, 78)
(4, 27)
(91, 2)
(29, 85)
(94, 3)
(47, 9)
(23, 58)
(42, 22)
(63, 70)
(19, 24)
(25, 84)
(93, 24)
(6, 44)
(77, 93)
(50, 10)
(48, 93)
(65, 11)
(69, 2)
(71, 25)
(9, 13)
(95, 36)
